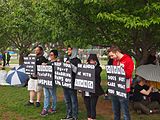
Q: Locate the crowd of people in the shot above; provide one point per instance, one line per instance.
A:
(117, 58)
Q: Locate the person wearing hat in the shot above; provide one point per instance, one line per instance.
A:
(50, 92)
(90, 99)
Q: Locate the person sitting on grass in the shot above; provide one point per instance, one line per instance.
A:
(145, 99)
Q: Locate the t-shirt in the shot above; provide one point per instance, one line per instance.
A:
(39, 60)
(137, 96)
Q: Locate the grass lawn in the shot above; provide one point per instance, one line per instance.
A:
(13, 99)
(14, 61)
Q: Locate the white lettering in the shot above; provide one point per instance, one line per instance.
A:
(111, 84)
(121, 94)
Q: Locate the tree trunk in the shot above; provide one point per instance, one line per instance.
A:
(21, 60)
(144, 56)
(23, 53)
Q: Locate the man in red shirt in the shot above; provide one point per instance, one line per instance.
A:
(118, 103)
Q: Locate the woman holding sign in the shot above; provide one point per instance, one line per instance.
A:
(50, 92)
(90, 99)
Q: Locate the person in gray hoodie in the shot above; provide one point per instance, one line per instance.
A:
(70, 95)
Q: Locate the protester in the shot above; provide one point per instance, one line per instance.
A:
(125, 61)
(90, 99)
(33, 87)
(70, 95)
(50, 92)
(145, 99)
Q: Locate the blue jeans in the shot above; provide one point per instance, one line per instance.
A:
(70, 97)
(119, 104)
(50, 92)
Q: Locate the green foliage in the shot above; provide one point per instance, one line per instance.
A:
(132, 24)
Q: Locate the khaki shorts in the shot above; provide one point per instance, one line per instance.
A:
(33, 85)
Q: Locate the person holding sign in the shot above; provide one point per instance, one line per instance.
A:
(90, 99)
(126, 62)
(33, 86)
(70, 95)
(50, 92)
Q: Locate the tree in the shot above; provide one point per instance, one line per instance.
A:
(19, 25)
(139, 21)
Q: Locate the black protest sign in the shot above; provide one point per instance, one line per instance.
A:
(45, 75)
(63, 74)
(85, 78)
(116, 81)
(30, 65)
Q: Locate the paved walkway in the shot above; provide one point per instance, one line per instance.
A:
(12, 65)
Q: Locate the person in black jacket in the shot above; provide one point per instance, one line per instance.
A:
(33, 87)
(8, 57)
(70, 95)
(90, 99)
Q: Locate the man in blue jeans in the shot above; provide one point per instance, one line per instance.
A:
(70, 95)
(126, 62)
(120, 103)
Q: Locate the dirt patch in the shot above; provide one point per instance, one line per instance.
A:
(11, 115)
(104, 107)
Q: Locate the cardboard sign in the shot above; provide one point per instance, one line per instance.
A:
(45, 75)
(116, 81)
(85, 78)
(29, 63)
(63, 74)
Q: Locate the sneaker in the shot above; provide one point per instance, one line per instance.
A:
(51, 111)
(29, 104)
(44, 112)
(38, 104)
(67, 118)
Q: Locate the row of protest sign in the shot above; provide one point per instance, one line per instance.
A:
(61, 74)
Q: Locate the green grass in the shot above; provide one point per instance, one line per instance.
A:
(12, 105)
(14, 61)
(13, 99)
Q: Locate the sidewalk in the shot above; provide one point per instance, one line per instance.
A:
(12, 65)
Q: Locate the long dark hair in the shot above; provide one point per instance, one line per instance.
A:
(93, 57)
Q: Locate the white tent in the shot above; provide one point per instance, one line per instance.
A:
(3, 75)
